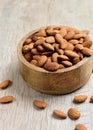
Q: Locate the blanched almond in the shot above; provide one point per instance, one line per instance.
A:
(59, 114)
(6, 99)
(4, 84)
(40, 104)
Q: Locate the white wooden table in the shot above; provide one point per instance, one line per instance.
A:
(17, 18)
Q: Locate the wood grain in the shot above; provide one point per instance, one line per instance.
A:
(17, 18)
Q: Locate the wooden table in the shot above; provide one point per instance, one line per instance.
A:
(17, 18)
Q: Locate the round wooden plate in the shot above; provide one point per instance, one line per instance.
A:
(62, 81)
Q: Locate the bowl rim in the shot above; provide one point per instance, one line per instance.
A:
(36, 68)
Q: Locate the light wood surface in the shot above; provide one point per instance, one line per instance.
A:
(17, 18)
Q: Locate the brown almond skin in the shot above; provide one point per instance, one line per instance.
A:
(40, 48)
(67, 63)
(75, 60)
(6, 99)
(63, 57)
(28, 41)
(69, 46)
(80, 98)
(80, 127)
(40, 104)
(63, 32)
(86, 51)
(48, 46)
(51, 66)
(91, 99)
(39, 41)
(71, 54)
(41, 33)
(87, 43)
(59, 114)
(73, 113)
(70, 35)
(34, 62)
(35, 51)
(79, 47)
(28, 56)
(42, 61)
(4, 84)
(74, 42)
(54, 57)
(50, 39)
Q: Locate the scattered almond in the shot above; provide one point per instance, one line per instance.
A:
(80, 127)
(80, 98)
(59, 114)
(4, 84)
(6, 99)
(40, 104)
(73, 113)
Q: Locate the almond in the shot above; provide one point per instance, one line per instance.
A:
(67, 63)
(40, 48)
(50, 39)
(47, 53)
(48, 46)
(74, 42)
(5, 84)
(75, 60)
(59, 38)
(63, 44)
(28, 41)
(63, 32)
(28, 56)
(51, 66)
(86, 31)
(80, 127)
(61, 66)
(6, 99)
(59, 114)
(59, 51)
(70, 35)
(42, 61)
(79, 35)
(41, 33)
(71, 54)
(78, 47)
(36, 57)
(34, 62)
(39, 41)
(35, 51)
(69, 46)
(86, 51)
(80, 55)
(63, 57)
(91, 99)
(87, 43)
(40, 104)
(80, 98)
(52, 32)
(73, 113)
(54, 57)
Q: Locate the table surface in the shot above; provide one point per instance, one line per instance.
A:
(17, 18)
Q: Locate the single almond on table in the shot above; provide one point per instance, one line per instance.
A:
(5, 84)
(80, 98)
(6, 99)
(40, 104)
(80, 127)
(91, 99)
(73, 113)
(59, 114)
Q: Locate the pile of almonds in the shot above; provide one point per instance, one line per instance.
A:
(57, 47)
(73, 113)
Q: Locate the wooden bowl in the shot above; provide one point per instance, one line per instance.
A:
(62, 81)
